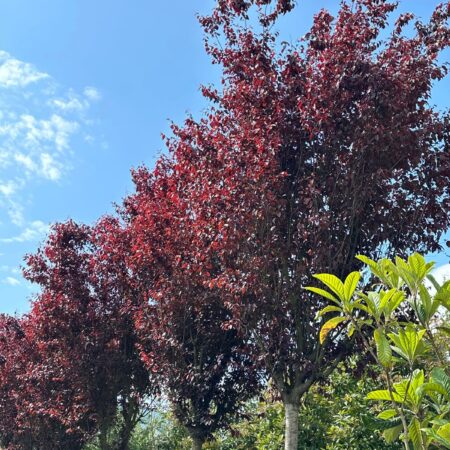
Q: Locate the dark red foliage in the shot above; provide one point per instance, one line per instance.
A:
(205, 366)
(26, 420)
(82, 324)
(227, 11)
(311, 154)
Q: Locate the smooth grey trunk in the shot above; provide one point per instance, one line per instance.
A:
(291, 426)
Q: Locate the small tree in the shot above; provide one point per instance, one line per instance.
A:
(26, 421)
(418, 396)
(82, 322)
(205, 365)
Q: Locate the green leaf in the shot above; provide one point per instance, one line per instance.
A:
(328, 309)
(387, 414)
(408, 343)
(443, 295)
(385, 298)
(367, 261)
(433, 281)
(444, 432)
(383, 269)
(444, 442)
(429, 307)
(323, 293)
(384, 394)
(328, 326)
(418, 264)
(357, 304)
(433, 387)
(392, 434)
(439, 376)
(412, 396)
(372, 302)
(333, 283)
(350, 330)
(415, 433)
(396, 300)
(384, 351)
(350, 284)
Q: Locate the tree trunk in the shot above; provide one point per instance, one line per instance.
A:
(291, 425)
(124, 438)
(197, 443)
(103, 438)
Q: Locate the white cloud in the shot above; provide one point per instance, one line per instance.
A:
(41, 125)
(71, 103)
(34, 231)
(26, 161)
(442, 274)
(92, 93)
(35, 146)
(49, 167)
(31, 133)
(11, 281)
(55, 131)
(8, 188)
(16, 73)
(16, 213)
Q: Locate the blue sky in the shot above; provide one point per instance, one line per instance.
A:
(86, 88)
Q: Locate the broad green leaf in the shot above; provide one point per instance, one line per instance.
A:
(384, 269)
(426, 307)
(357, 304)
(328, 309)
(439, 376)
(433, 387)
(442, 296)
(418, 264)
(333, 283)
(350, 284)
(372, 300)
(384, 394)
(387, 414)
(418, 379)
(384, 351)
(440, 435)
(408, 343)
(323, 293)
(392, 434)
(385, 297)
(396, 300)
(367, 261)
(413, 395)
(400, 352)
(415, 433)
(350, 330)
(433, 281)
(328, 326)
(406, 273)
(444, 432)
(444, 443)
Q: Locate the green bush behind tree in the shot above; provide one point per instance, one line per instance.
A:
(334, 416)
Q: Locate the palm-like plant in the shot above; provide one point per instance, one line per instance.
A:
(419, 399)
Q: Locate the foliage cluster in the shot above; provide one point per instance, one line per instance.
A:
(309, 154)
(416, 394)
(333, 416)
